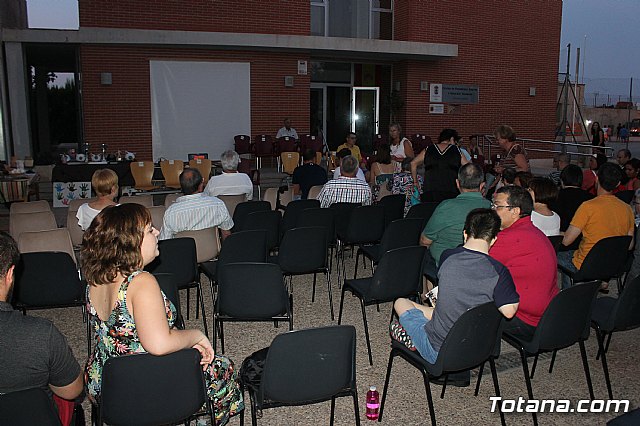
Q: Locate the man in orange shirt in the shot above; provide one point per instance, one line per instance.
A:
(602, 217)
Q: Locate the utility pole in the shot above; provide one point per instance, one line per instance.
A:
(629, 108)
(566, 101)
(573, 120)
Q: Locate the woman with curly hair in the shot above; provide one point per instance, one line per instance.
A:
(129, 312)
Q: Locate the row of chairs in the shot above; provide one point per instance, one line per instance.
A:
(142, 172)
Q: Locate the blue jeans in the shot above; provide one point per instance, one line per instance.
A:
(413, 322)
(565, 258)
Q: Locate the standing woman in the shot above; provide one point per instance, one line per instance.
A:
(129, 312)
(441, 164)
(597, 136)
(514, 154)
(400, 147)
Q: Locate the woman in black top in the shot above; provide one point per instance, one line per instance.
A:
(597, 136)
(441, 163)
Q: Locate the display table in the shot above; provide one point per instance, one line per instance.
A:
(82, 172)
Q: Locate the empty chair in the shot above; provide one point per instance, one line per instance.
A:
(311, 142)
(242, 144)
(53, 240)
(263, 147)
(610, 315)
(231, 201)
(157, 215)
(28, 407)
(564, 323)
(323, 218)
(393, 207)
(207, 243)
(294, 210)
(366, 226)
(389, 282)
(142, 172)
(204, 167)
(314, 191)
(268, 221)
(75, 231)
(26, 222)
(244, 209)
(271, 195)
(320, 365)
(423, 210)
(143, 200)
(469, 343)
(171, 198)
(254, 174)
(171, 170)
(289, 161)
(29, 207)
(250, 291)
(135, 389)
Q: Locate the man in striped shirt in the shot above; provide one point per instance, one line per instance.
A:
(347, 188)
(194, 210)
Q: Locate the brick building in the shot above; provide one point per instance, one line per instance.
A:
(241, 66)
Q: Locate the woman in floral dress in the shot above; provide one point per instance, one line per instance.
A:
(403, 184)
(129, 312)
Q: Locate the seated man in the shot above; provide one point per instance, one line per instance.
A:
(341, 154)
(444, 229)
(195, 210)
(308, 175)
(570, 196)
(468, 277)
(350, 144)
(34, 353)
(529, 256)
(602, 217)
(347, 188)
(560, 161)
(287, 130)
(230, 182)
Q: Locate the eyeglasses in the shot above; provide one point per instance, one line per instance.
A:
(496, 207)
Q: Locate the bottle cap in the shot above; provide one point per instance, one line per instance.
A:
(372, 388)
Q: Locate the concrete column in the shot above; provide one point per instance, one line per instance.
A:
(18, 99)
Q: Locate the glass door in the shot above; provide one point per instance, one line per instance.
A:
(365, 104)
(329, 112)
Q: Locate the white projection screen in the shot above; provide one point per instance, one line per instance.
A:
(198, 107)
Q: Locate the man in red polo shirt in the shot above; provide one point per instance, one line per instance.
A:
(528, 255)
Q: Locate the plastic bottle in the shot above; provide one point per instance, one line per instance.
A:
(373, 403)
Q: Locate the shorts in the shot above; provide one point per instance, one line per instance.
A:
(413, 321)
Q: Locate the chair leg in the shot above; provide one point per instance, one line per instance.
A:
(204, 316)
(188, 302)
(533, 367)
(355, 271)
(427, 388)
(605, 367)
(553, 361)
(585, 364)
(366, 330)
(444, 386)
(606, 348)
(496, 386)
(313, 291)
(197, 300)
(356, 410)
(344, 288)
(328, 277)
(254, 410)
(222, 336)
(525, 369)
(479, 379)
(386, 384)
(333, 410)
(214, 342)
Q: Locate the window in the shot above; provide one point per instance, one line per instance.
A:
(352, 18)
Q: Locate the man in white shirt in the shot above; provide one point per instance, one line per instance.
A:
(287, 130)
(194, 210)
(230, 182)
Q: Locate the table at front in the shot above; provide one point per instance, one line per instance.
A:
(82, 172)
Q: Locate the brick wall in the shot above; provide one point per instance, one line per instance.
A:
(120, 114)
(240, 16)
(505, 47)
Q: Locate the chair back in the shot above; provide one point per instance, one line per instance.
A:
(177, 257)
(245, 246)
(294, 210)
(287, 144)
(171, 170)
(168, 285)
(242, 144)
(286, 197)
(134, 388)
(567, 318)
(75, 204)
(556, 240)
(366, 225)
(231, 201)
(29, 207)
(390, 282)
(342, 216)
(303, 250)
(243, 210)
(268, 221)
(626, 196)
(605, 259)
(47, 279)
(290, 160)
(171, 198)
(423, 210)
(314, 191)
(246, 166)
(310, 142)
(207, 242)
(271, 196)
(75, 232)
(393, 206)
(157, 215)
(25, 222)
(312, 365)
(420, 143)
(319, 217)
(204, 167)
(380, 139)
(144, 200)
(626, 311)
(471, 340)
(28, 407)
(263, 146)
(52, 240)
(252, 291)
(142, 172)
(401, 233)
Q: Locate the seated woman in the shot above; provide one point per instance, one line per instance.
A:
(129, 312)
(105, 185)
(403, 184)
(381, 172)
(544, 193)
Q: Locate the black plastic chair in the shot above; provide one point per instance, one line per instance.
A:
(610, 315)
(393, 206)
(397, 275)
(134, 389)
(306, 367)
(555, 241)
(168, 285)
(178, 257)
(564, 323)
(323, 218)
(366, 226)
(28, 407)
(293, 211)
(342, 216)
(240, 214)
(305, 251)
(470, 343)
(400, 233)
(250, 292)
(268, 221)
(49, 280)
(605, 261)
(423, 211)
